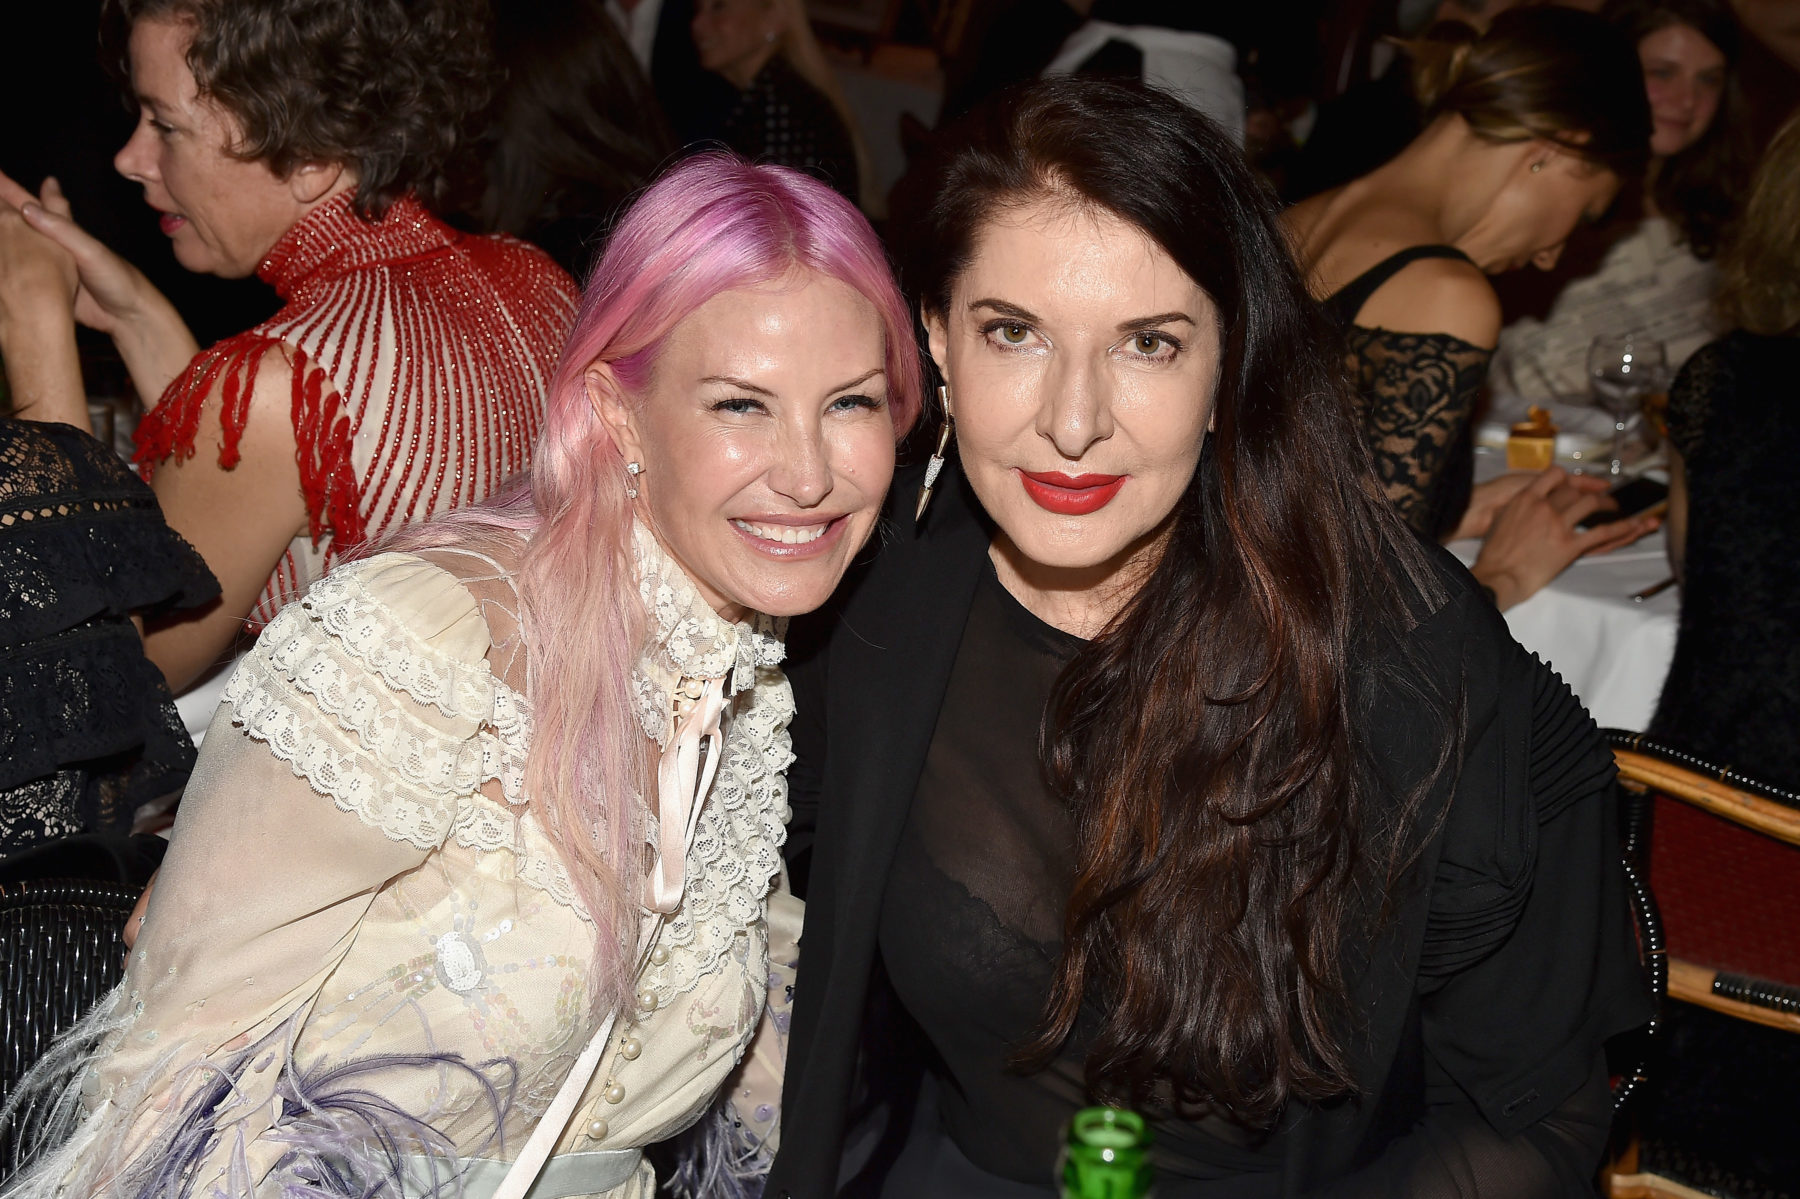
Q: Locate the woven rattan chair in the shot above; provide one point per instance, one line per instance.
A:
(1723, 858)
(60, 951)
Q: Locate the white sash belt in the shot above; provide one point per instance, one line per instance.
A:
(592, 1173)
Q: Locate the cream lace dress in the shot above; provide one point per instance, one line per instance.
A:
(362, 948)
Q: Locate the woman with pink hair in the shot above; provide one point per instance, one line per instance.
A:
(481, 861)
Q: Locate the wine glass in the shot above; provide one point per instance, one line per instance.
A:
(1622, 371)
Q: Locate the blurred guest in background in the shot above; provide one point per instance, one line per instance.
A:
(1533, 125)
(660, 39)
(1733, 693)
(1196, 67)
(405, 373)
(1373, 120)
(789, 108)
(88, 731)
(573, 132)
(1650, 271)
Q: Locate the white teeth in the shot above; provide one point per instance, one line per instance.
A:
(786, 534)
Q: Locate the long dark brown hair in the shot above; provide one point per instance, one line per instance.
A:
(1206, 742)
(1701, 188)
(573, 133)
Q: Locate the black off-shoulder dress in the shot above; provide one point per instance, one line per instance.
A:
(1416, 394)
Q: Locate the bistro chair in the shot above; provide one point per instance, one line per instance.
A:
(1722, 854)
(61, 949)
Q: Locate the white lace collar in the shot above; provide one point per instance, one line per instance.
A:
(685, 639)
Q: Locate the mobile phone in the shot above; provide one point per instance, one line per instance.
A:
(1639, 495)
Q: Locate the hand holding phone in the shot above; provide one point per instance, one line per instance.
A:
(1639, 496)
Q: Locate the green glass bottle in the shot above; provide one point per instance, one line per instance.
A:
(1106, 1155)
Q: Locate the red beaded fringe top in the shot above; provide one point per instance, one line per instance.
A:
(420, 357)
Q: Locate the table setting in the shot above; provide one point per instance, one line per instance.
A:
(1607, 623)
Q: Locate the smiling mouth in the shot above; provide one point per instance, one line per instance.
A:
(785, 534)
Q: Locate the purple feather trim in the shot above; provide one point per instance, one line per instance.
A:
(719, 1158)
(343, 1138)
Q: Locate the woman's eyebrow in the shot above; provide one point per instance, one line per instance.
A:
(734, 381)
(1006, 309)
(856, 382)
(1150, 322)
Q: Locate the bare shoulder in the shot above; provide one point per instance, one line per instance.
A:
(1437, 295)
(1301, 220)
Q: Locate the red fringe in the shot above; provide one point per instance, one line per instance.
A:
(322, 431)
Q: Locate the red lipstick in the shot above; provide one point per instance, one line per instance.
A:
(1070, 495)
(170, 222)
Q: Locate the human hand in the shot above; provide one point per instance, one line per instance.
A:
(38, 279)
(1533, 536)
(112, 292)
(1487, 499)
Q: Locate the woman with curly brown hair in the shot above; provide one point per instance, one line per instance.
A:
(304, 143)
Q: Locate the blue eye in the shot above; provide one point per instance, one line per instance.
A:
(738, 406)
(853, 402)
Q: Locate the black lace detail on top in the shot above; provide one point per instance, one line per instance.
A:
(1416, 393)
(87, 728)
(1733, 691)
(80, 535)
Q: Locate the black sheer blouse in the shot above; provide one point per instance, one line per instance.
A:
(971, 924)
(87, 728)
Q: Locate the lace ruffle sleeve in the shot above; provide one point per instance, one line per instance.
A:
(373, 689)
(345, 747)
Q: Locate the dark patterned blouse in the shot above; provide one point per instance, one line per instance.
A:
(87, 729)
(1733, 692)
(783, 119)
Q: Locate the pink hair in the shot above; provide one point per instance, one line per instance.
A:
(712, 224)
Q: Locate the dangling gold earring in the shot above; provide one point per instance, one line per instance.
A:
(936, 466)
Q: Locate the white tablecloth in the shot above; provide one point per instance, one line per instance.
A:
(1612, 651)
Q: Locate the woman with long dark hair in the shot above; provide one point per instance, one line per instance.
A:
(573, 131)
(1157, 761)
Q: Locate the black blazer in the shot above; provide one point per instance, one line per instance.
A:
(1506, 962)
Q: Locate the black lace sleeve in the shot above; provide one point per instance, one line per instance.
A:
(87, 728)
(81, 536)
(1416, 392)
